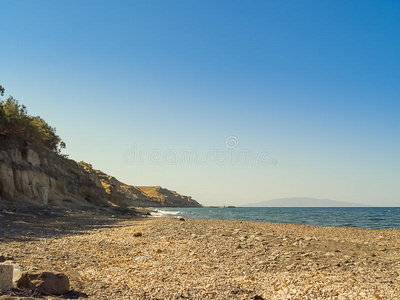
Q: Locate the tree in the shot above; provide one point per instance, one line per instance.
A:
(14, 119)
(2, 90)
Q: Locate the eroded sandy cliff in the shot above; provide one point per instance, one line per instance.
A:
(32, 174)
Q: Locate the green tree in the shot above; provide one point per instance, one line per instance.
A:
(14, 119)
(45, 133)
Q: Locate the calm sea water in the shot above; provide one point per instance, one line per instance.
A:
(363, 217)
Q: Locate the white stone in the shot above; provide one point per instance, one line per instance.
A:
(16, 274)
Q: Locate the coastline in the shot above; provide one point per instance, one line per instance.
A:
(204, 259)
(359, 217)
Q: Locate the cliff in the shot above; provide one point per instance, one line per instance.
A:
(122, 194)
(29, 173)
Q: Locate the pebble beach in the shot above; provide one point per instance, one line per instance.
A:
(120, 256)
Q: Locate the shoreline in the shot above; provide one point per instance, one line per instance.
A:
(204, 259)
(378, 218)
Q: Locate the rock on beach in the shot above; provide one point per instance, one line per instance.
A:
(43, 282)
(6, 276)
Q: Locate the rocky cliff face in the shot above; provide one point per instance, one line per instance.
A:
(146, 196)
(29, 173)
(32, 174)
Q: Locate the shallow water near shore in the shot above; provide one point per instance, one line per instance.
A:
(361, 217)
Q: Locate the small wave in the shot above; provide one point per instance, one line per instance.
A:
(164, 213)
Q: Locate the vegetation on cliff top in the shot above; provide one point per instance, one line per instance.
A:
(85, 165)
(14, 119)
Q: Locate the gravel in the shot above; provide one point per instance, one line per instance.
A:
(109, 256)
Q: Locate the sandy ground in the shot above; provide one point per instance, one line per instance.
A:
(109, 255)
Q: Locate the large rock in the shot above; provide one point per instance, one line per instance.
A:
(15, 267)
(47, 283)
(6, 276)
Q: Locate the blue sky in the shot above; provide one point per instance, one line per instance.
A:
(314, 83)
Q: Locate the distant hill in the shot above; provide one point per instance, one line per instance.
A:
(303, 202)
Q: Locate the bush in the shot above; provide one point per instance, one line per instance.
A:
(85, 165)
(14, 119)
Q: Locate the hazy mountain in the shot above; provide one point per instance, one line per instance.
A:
(303, 202)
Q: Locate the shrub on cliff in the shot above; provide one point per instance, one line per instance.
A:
(85, 165)
(14, 119)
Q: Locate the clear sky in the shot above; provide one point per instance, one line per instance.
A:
(269, 99)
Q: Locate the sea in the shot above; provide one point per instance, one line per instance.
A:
(361, 217)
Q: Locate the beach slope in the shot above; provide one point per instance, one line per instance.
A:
(119, 257)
